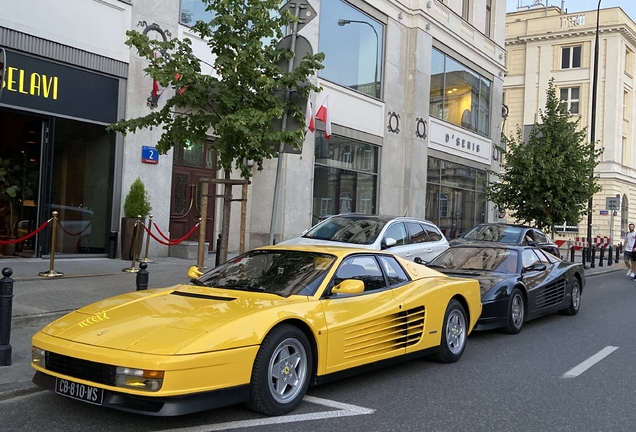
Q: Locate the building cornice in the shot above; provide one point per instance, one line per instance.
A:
(623, 29)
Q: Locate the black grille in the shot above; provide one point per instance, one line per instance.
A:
(81, 369)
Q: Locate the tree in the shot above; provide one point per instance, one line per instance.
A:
(548, 180)
(241, 97)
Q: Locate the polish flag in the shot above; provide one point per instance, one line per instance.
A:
(309, 117)
(323, 114)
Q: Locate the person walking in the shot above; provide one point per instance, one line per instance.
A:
(630, 240)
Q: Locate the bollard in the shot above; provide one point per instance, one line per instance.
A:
(146, 260)
(572, 254)
(609, 255)
(132, 268)
(142, 277)
(6, 302)
(601, 256)
(618, 252)
(583, 256)
(592, 261)
(218, 255)
(52, 272)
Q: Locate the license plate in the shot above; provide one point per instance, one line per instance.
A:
(79, 391)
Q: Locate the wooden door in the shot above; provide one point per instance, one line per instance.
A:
(189, 166)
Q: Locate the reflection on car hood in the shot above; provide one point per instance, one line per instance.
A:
(309, 241)
(487, 280)
(160, 321)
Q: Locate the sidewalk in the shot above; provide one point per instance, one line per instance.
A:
(38, 300)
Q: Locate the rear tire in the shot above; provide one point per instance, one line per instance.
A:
(516, 313)
(281, 372)
(454, 333)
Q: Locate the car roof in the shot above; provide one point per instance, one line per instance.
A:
(490, 245)
(505, 224)
(383, 218)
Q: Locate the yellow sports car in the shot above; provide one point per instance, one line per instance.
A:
(258, 329)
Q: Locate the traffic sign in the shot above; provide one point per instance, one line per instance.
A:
(306, 13)
(612, 203)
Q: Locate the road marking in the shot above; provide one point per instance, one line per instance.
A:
(343, 410)
(582, 367)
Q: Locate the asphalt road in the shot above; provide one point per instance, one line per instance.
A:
(502, 383)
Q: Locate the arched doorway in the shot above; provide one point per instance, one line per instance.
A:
(190, 164)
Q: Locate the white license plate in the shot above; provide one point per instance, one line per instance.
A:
(79, 391)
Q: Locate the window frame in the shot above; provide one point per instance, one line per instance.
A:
(570, 100)
(571, 57)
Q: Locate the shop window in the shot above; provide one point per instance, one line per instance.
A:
(571, 57)
(459, 95)
(354, 183)
(352, 42)
(570, 95)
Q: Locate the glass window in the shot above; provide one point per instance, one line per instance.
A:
(542, 257)
(193, 11)
(571, 57)
(347, 170)
(417, 233)
(393, 270)
(540, 237)
(433, 233)
(352, 42)
(459, 95)
(528, 258)
(570, 95)
(489, 259)
(356, 229)
(465, 9)
(396, 232)
(364, 268)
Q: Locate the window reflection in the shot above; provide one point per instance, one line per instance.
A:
(459, 95)
(193, 11)
(352, 42)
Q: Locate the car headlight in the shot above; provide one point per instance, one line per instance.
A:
(139, 379)
(38, 357)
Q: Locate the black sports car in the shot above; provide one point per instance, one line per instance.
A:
(508, 234)
(518, 283)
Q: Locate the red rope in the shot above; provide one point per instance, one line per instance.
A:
(28, 236)
(170, 242)
(59, 223)
(159, 231)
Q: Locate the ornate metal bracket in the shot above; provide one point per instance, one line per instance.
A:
(421, 128)
(394, 122)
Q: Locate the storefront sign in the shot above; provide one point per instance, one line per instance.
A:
(149, 155)
(460, 142)
(44, 86)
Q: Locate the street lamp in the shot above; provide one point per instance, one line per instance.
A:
(343, 22)
(593, 131)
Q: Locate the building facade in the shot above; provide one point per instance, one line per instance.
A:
(545, 43)
(415, 96)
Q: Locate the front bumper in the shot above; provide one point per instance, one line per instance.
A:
(493, 315)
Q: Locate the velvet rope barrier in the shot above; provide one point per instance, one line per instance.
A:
(59, 223)
(28, 236)
(160, 232)
(170, 242)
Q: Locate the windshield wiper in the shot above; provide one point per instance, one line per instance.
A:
(248, 288)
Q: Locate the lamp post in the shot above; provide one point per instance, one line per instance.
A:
(593, 131)
(343, 22)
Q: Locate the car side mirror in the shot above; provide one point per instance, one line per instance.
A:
(418, 260)
(388, 242)
(349, 286)
(194, 272)
(535, 267)
(532, 243)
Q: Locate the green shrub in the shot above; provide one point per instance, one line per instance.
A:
(137, 202)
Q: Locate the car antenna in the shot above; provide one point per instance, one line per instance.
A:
(407, 210)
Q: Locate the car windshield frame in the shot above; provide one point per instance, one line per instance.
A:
(488, 259)
(277, 271)
(360, 230)
(509, 235)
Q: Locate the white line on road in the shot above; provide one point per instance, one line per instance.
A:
(344, 410)
(582, 367)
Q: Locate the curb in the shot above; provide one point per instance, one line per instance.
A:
(14, 390)
(39, 320)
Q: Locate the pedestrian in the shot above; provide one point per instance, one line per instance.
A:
(630, 240)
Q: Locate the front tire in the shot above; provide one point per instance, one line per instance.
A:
(281, 372)
(575, 300)
(516, 313)
(454, 333)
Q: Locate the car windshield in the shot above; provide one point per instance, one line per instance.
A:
(495, 233)
(278, 272)
(356, 230)
(474, 258)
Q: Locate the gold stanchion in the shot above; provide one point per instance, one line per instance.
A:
(146, 260)
(52, 272)
(132, 268)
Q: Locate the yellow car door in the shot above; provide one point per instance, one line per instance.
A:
(365, 327)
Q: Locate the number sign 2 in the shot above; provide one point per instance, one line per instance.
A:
(149, 155)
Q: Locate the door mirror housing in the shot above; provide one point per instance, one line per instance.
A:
(349, 287)
(418, 260)
(388, 242)
(535, 267)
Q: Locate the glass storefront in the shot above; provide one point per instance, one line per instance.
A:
(455, 196)
(345, 177)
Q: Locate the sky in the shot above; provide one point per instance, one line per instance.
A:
(629, 6)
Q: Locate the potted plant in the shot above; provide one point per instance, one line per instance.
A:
(10, 197)
(135, 204)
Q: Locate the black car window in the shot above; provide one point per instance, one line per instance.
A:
(473, 258)
(397, 232)
(394, 272)
(528, 258)
(361, 267)
(540, 237)
(433, 233)
(549, 257)
(349, 229)
(417, 232)
(495, 233)
(544, 259)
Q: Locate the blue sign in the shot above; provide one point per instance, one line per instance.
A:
(149, 155)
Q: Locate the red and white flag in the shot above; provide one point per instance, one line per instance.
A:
(309, 117)
(323, 114)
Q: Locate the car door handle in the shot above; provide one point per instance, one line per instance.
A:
(429, 250)
(408, 254)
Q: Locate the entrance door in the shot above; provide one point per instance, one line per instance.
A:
(189, 166)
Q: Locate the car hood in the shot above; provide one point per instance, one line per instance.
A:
(310, 241)
(161, 321)
(487, 280)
